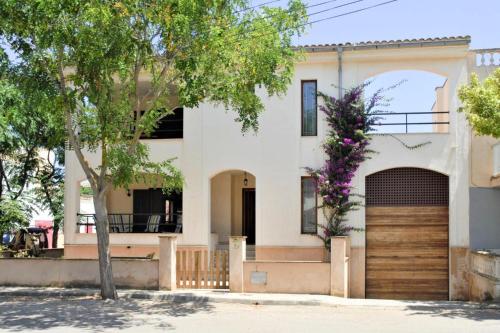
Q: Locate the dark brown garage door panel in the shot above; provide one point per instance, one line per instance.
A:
(407, 252)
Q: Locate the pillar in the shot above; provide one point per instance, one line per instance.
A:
(237, 255)
(339, 266)
(167, 263)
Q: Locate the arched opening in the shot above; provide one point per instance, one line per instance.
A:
(419, 104)
(232, 207)
(407, 234)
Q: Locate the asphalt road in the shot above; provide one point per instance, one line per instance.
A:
(24, 314)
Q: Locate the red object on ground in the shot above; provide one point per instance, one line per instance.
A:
(46, 224)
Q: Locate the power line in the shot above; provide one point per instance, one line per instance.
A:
(256, 6)
(328, 18)
(351, 12)
(335, 7)
(308, 15)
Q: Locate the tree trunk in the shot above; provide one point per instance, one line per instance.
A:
(55, 234)
(108, 289)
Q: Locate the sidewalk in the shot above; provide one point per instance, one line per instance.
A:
(222, 296)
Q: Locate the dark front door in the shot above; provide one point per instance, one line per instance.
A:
(249, 215)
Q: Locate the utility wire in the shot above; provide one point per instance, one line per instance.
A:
(332, 8)
(323, 19)
(256, 6)
(308, 15)
(351, 12)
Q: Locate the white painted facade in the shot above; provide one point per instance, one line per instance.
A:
(277, 154)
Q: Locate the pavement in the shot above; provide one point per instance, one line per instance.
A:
(51, 314)
(224, 296)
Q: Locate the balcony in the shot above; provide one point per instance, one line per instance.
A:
(169, 127)
(133, 223)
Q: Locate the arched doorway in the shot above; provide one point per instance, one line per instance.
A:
(407, 234)
(232, 207)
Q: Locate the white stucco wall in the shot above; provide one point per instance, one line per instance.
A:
(277, 154)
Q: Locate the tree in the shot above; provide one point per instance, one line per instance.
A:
(123, 65)
(482, 104)
(28, 126)
(50, 186)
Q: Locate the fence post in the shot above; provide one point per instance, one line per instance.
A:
(167, 263)
(339, 266)
(237, 254)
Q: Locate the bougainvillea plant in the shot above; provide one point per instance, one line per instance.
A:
(349, 120)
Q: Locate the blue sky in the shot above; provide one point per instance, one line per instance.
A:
(407, 19)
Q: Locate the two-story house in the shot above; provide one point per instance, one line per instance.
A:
(416, 219)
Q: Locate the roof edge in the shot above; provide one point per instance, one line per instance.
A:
(400, 43)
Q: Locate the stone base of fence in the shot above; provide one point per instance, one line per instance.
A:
(192, 268)
(299, 277)
(484, 276)
(339, 263)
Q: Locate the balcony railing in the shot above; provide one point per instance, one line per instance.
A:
(487, 57)
(407, 120)
(133, 223)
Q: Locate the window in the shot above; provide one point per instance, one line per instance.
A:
(309, 108)
(309, 206)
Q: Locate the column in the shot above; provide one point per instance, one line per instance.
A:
(167, 263)
(339, 271)
(237, 255)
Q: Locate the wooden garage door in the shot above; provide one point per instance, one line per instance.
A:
(407, 235)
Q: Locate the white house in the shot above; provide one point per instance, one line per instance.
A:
(417, 219)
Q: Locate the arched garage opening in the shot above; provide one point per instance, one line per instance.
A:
(407, 234)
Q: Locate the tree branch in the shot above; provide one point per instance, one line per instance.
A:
(91, 174)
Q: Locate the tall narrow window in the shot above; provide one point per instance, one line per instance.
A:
(309, 108)
(309, 206)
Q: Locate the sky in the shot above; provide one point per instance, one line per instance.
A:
(406, 19)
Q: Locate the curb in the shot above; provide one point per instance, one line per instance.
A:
(246, 299)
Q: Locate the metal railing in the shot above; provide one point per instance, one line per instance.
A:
(133, 223)
(406, 123)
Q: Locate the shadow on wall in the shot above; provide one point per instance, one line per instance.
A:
(92, 314)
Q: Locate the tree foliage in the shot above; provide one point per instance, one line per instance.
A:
(482, 104)
(29, 127)
(121, 66)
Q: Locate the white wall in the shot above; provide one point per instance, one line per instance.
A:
(277, 154)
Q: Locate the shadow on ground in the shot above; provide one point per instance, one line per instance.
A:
(465, 311)
(24, 313)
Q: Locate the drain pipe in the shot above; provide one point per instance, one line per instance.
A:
(339, 56)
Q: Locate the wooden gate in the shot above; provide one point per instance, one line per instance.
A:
(407, 234)
(202, 269)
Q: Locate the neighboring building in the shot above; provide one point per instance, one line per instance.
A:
(419, 217)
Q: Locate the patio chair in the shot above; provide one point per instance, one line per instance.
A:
(116, 223)
(126, 223)
(153, 223)
(178, 227)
